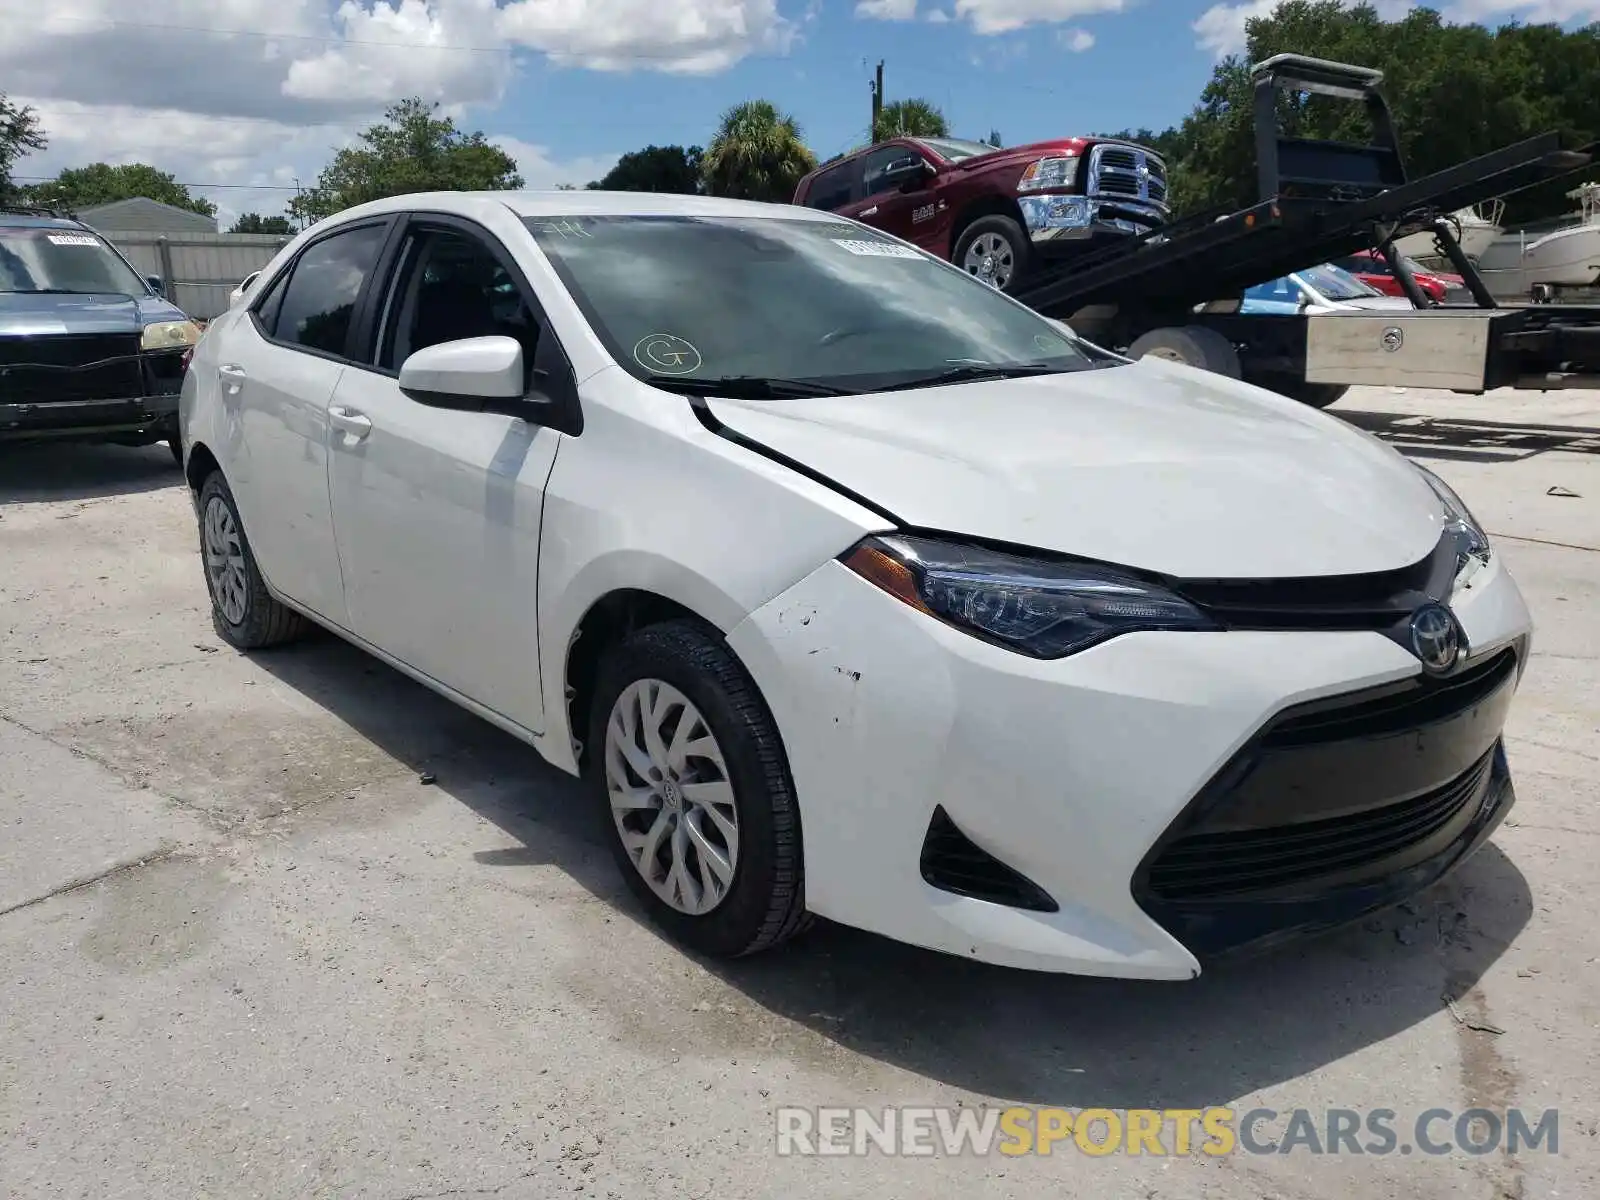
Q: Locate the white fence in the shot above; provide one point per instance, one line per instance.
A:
(199, 269)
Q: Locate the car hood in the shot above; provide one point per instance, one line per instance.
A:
(1153, 465)
(28, 313)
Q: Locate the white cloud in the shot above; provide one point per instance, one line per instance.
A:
(1221, 28)
(1003, 16)
(691, 37)
(1076, 40)
(540, 172)
(258, 92)
(939, 17)
(888, 10)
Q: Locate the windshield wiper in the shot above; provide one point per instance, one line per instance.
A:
(53, 292)
(744, 387)
(977, 372)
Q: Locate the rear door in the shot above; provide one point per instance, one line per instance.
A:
(276, 373)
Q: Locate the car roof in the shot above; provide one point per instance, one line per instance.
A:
(16, 220)
(576, 204)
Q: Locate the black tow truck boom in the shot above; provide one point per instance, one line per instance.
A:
(1175, 291)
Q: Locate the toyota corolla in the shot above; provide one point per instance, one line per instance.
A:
(854, 587)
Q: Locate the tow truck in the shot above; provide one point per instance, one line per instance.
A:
(1175, 291)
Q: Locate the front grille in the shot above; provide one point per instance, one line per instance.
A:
(1211, 866)
(1126, 172)
(952, 863)
(45, 369)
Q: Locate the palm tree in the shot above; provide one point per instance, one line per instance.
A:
(917, 118)
(756, 154)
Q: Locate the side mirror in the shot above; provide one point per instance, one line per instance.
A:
(157, 285)
(481, 374)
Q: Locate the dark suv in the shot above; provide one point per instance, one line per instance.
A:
(89, 348)
(997, 213)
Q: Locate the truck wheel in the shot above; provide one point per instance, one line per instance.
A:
(245, 614)
(689, 771)
(1192, 345)
(995, 250)
(1317, 395)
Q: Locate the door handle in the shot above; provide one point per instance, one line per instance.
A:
(232, 377)
(349, 422)
(870, 212)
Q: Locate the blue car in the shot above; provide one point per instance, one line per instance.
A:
(89, 349)
(1324, 289)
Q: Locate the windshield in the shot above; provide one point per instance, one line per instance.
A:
(1334, 283)
(954, 149)
(47, 259)
(827, 303)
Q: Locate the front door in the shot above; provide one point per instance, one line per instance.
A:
(437, 512)
(913, 214)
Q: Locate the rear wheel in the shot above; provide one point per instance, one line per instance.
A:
(690, 773)
(244, 613)
(1192, 345)
(996, 250)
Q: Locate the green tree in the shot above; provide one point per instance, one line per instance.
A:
(757, 154)
(20, 135)
(256, 223)
(101, 183)
(410, 150)
(1457, 91)
(916, 118)
(655, 169)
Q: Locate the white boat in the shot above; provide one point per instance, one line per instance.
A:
(1475, 228)
(1566, 257)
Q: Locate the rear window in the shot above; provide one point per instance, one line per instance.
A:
(831, 189)
(320, 300)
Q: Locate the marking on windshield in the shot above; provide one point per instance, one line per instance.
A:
(666, 354)
(564, 229)
(71, 239)
(870, 249)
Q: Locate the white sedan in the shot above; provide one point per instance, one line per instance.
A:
(853, 586)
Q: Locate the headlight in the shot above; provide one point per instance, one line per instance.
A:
(1036, 607)
(1472, 543)
(169, 335)
(1053, 172)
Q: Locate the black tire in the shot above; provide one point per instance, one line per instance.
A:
(1317, 395)
(765, 903)
(1011, 233)
(1192, 345)
(175, 444)
(264, 622)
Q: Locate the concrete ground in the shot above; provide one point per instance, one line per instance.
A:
(245, 952)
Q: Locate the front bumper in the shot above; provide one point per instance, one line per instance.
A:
(150, 417)
(1052, 219)
(1075, 773)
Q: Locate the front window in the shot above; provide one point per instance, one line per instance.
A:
(1334, 283)
(956, 149)
(54, 259)
(698, 299)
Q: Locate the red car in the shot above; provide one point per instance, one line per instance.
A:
(1374, 272)
(997, 213)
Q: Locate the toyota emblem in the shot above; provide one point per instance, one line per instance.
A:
(1435, 638)
(1393, 338)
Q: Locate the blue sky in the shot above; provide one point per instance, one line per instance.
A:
(242, 98)
(1029, 84)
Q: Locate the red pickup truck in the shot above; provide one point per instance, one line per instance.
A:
(998, 213)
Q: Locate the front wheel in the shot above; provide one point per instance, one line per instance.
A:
(996, 250)
(244, 612)
(689, 770)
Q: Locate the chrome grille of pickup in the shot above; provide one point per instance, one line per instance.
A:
(1126, 172)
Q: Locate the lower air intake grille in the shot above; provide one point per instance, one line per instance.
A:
(1209, 866)
(951, 863)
